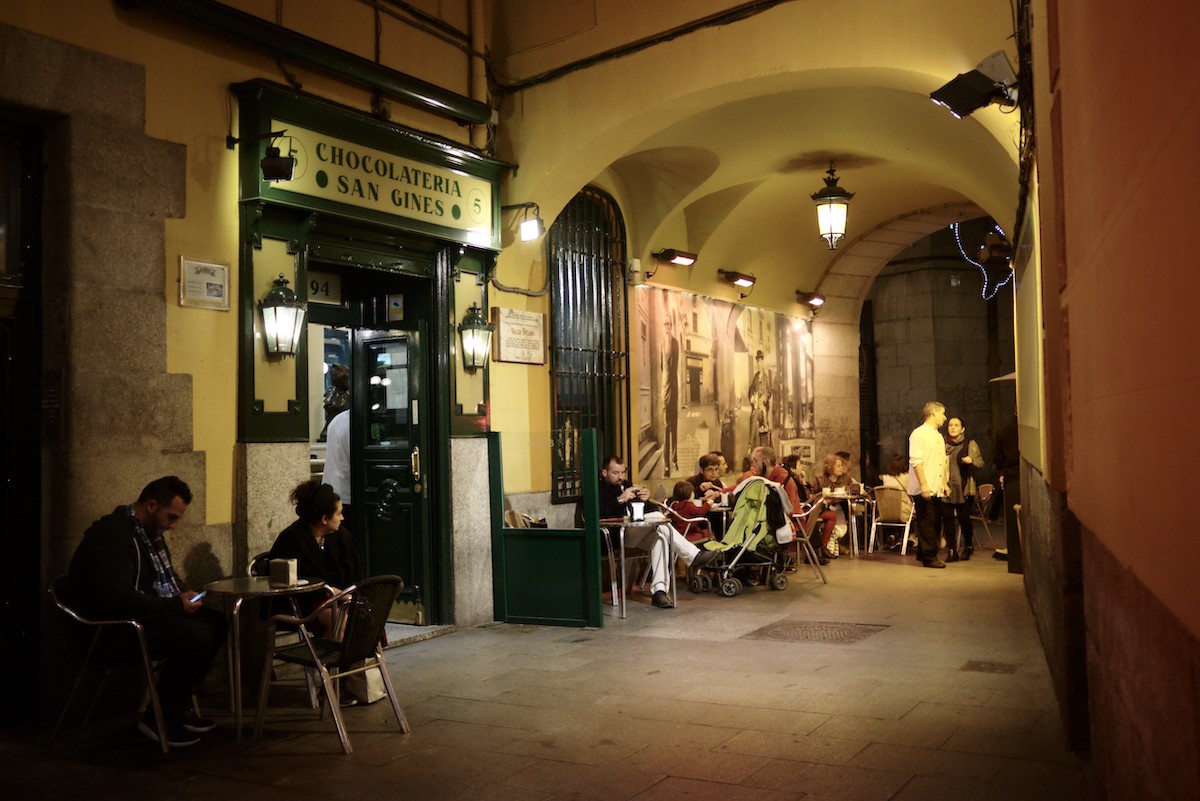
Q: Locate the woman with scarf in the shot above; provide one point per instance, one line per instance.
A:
(964, 457)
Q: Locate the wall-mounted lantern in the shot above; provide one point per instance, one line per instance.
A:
(283, 319)
(476, 333)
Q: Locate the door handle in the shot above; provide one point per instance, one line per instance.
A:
(415, 461)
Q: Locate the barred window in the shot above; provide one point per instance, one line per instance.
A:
(589, 353)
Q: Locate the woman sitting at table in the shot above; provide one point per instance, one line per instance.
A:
(833, 477)
(322, 548)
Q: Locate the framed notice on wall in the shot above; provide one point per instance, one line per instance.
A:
(520, 336)
(203, 283)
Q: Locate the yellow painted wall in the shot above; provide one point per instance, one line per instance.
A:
(187, 75)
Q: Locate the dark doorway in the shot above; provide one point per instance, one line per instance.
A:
(27, 400)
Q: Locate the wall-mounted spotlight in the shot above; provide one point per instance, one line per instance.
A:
(833, 204)
(743, 280)
(992, 81)
(275, 167)
(814, 300)
(678, 257)
(531, 227)
(283, 319)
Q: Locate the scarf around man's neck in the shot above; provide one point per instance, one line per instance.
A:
(166, 583)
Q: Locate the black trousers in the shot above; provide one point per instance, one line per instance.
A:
(933, 516)
(186, 644)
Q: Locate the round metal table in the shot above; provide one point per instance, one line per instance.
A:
(239, 589)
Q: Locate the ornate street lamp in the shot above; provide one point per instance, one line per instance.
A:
(283, 319)
(476, 333)
(832, 205)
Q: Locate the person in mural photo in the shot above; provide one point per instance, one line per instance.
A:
(670, 395)
(760, 403)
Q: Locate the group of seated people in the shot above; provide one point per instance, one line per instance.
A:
(697, 496)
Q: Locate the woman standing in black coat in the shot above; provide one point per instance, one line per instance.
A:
(322, 547)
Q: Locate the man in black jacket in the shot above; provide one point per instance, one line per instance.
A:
(122, 570)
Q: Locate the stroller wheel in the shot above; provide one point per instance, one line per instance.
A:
(731, 587)
(706, 583)
(696, 585)
(778, 581)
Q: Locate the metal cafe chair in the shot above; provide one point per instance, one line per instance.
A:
(889, 506)
(807, 521)
(358, 651)
(94, 661)
(983, 494)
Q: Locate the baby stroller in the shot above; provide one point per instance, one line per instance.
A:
(751, 551)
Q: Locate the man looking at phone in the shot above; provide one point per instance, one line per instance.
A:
(615, 493)
(122, 571)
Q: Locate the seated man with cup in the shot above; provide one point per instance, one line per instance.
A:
(618, 500)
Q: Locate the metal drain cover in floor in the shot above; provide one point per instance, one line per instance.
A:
(814, 631)
(978, 666)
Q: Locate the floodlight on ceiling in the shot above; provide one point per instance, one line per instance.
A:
(992, 81)
(679, 258)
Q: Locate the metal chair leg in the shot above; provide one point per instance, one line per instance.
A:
(391, 691)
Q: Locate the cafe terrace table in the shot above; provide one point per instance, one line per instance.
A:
(641, 527)
(239, 589)
(851, 500)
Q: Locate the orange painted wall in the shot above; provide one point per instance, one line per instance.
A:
(1130, 164)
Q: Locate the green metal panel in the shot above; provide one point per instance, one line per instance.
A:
(546, 576)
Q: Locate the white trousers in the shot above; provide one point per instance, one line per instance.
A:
(656, 541)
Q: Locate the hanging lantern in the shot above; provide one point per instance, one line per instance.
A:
(832, 205)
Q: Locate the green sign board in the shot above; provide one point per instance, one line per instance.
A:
(345, 172)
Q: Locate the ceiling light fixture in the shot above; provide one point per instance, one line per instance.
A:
(992, 81)
(680, 258)
(833, 203)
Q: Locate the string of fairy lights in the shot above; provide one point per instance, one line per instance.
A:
(987, 280)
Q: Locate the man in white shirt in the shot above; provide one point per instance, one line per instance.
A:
(337, 460)
(928, 475)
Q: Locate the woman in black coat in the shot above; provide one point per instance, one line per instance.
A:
(322, 547)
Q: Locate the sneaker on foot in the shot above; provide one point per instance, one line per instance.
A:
(934, 563)
(662, 600)
(194, 723)
(177, 735)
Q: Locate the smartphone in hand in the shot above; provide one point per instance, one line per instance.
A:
(198, 597)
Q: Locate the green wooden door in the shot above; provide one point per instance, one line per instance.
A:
(389, 426)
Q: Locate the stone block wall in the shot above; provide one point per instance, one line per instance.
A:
(932, 343)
